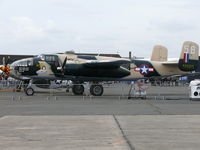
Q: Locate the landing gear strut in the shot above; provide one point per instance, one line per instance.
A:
(96, 90)
(22, 84)
(78, 89)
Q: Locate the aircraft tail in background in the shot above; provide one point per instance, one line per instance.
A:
(159, 53)
(189, 57)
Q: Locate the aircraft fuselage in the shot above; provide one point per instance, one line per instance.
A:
(47, 66)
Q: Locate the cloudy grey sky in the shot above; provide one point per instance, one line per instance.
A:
(102, 26)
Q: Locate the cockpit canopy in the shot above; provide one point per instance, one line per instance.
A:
(53, 60)
(24, 62)
(49, 58)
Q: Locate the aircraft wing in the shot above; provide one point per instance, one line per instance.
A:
(106, 63)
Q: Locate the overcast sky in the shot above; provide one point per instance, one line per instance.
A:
(97, 26)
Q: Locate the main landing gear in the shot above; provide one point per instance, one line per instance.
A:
(78, 89)
(95, 89)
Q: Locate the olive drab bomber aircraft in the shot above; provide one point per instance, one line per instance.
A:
(95, 69)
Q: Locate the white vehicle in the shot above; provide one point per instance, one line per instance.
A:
(195, 89)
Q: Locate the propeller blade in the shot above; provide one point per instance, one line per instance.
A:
(64, 63)
(61, 68)
(1, 72)
(4, 61)
(7, 61)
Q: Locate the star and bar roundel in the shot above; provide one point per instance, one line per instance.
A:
(144, 69)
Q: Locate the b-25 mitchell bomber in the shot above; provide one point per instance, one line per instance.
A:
(95, 69)
(77, 68)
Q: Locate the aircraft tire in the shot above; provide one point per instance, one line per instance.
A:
(78, 89)
(96, 90)
(29, 91)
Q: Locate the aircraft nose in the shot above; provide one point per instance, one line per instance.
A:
(20, 68)
(5, 69)
(12, 69)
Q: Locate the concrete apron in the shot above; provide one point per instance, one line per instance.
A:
(105, 132)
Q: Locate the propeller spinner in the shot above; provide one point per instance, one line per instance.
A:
(5, 68)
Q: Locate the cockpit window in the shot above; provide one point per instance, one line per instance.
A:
(42, 57)
(24, 63)
(50, 58)
(30, 62)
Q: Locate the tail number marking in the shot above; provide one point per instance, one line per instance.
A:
(190, 50)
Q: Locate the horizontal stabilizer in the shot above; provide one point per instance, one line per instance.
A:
(170, 63)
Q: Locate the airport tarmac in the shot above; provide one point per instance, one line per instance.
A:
(160, 101)
(59, 121)
(102, 132)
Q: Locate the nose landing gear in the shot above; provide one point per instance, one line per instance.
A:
(28, 88)
(29, 91)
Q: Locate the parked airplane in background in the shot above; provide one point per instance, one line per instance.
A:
(95, 69)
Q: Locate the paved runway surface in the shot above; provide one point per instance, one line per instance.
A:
(56, 121)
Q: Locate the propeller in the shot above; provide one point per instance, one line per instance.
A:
(61, 69)
(64, 63)
(5, 68)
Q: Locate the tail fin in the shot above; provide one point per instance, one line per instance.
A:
(189, 57)
(159, 53)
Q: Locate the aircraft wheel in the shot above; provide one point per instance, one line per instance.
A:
(29, 91)
(96, 90)
(78, 89)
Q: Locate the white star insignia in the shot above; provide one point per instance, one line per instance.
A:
(144, 69)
